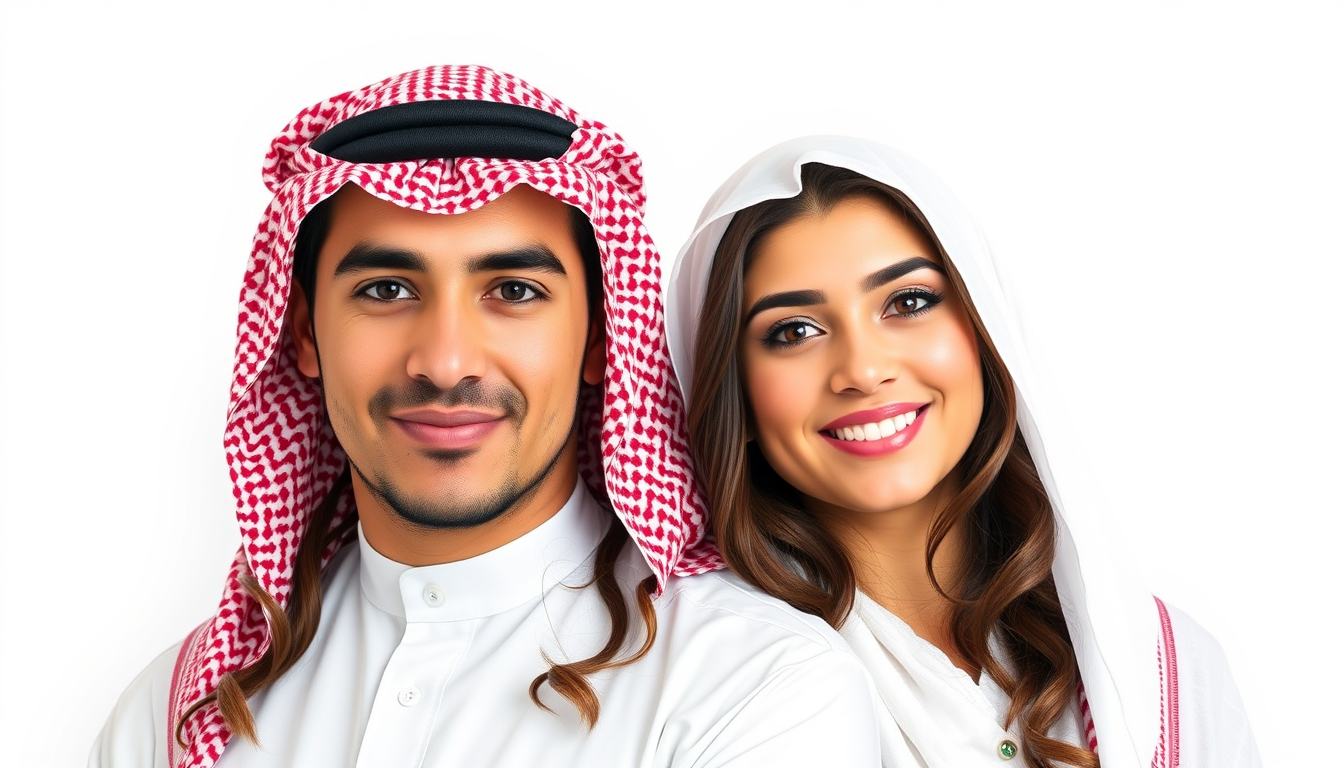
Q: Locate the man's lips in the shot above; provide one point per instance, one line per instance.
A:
(446, 430)
(876, 431)
(437, 418)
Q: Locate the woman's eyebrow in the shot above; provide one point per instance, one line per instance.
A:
(885, 275)
(785, 299)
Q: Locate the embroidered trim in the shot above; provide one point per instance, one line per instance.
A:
(185, 653)
(1168, 752)
(1089, 726)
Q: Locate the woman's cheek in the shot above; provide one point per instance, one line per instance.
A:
(950, 363)
(947, 355)
(775, 398)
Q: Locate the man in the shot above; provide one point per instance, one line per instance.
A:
(423, 579)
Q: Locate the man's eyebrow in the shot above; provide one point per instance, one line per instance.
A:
(785, 299)
(885, 275)
(366, 256)
(537, 258)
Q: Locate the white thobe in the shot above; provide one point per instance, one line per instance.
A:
(430, 666)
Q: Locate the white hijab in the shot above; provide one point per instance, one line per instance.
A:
(1113, 622)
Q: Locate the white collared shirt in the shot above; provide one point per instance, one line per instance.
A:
(937, 716)
(934, 716)
(430, 666)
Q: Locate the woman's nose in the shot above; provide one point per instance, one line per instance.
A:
(864, 361)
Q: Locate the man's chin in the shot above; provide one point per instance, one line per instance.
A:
(443, 518)
(449, 494)
(450, 456)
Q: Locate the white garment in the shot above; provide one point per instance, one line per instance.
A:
(922, 691)
(430, 666)
(1134, 690)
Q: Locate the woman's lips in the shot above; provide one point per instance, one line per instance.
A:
(877, 431)
(447, 430)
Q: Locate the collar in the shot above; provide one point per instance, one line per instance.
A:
(489, 583)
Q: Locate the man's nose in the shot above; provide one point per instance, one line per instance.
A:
(447, 344)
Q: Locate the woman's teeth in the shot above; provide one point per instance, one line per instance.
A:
(874, 430)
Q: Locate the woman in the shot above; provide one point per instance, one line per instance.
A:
(876, 452)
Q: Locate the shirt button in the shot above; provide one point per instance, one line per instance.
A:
(409, 697)
(1007, 749)
(434, 595)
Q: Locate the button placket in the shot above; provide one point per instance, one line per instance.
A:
(409, 696)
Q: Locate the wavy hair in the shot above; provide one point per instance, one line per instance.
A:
(1004, 587)
(294, 627)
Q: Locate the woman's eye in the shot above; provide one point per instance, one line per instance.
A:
(516, 292)
(792, 333)
(387, 290)
(912, 303)
(906, 305)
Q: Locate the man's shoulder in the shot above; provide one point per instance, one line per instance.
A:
(134, 733)
(742, 673)
(722, 597)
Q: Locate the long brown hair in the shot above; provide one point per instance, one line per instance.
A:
(294, 627)
(1004, 588)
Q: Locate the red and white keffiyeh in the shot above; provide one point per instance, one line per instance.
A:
(283, 456)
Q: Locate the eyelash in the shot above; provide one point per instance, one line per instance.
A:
(931, 299)
(537, 293)
(773, 343)
(363, 291)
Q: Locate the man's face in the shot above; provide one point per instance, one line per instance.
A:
(451, 349)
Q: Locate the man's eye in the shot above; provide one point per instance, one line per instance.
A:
(387, 290)
(516, 292)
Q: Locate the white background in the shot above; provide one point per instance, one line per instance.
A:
(1163, 180)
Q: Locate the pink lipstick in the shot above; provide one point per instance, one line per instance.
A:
(876, 431)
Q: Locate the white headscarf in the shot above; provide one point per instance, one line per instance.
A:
(1121, 638)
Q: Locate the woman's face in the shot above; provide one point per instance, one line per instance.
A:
(860, 364)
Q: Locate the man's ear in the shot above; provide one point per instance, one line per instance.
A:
(301, 332)
(595, 356)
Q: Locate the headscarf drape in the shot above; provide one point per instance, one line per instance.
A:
(1120, 634)
(282, 454)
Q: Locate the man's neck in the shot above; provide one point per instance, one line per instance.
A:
(399, 539)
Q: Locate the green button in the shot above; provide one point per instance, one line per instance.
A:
(1007, 749)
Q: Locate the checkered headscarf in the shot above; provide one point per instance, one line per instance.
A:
(283, 456)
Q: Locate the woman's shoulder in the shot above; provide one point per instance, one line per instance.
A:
(1214, 727)
(1199, 656)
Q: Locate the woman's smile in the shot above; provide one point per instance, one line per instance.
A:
(859, 362)
(876, 431)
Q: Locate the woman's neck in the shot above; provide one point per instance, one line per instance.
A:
(888, 553)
